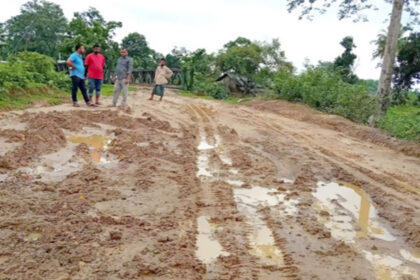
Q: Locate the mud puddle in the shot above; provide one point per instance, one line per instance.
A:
(261, 238)
(347, 211)
(98, 143)
(351, 212)
(208, 248)
(56, 166)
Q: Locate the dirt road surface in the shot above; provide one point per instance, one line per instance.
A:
(195, 189)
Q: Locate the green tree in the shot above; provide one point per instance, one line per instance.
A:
(351, 8)
(39, 27)
(139, 49)
(240, 56)
(273, 56)
(3, 42)
(344, 63)
(90, 28)
(407, 71)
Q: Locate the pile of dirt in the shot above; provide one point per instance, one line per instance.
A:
(304, 113)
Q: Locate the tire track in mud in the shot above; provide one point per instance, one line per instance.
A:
(349, 171)
(275, 265)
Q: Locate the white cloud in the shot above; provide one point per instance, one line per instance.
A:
(210, 24)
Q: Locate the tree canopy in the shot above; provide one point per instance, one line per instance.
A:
(40, 27)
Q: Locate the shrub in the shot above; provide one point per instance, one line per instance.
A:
(26, 68)
(402, 121)
(324, 89)
(212, 88)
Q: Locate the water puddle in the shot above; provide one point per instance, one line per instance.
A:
(288, 181)
(348, 205)
(203, 166)
(99, 143)
(54, 167)
(389, 268)
(236, 183)
(410, 256)
(234, 171)
(143, 144)
(208, 248)
(351, 218)
(203, 146)
(262, 242)
(34, 236)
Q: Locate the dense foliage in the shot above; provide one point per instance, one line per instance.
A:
(40, 27)
(325, 90)
(27, 69)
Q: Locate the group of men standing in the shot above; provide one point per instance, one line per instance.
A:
(95, 63)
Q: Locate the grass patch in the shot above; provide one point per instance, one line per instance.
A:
(24, 98)
(108, 89)
(403, 122)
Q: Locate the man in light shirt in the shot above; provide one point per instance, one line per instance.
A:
(162, 75)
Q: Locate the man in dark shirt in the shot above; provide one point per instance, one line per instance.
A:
(122, 77)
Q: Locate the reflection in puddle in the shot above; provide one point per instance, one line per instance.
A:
(98, 142)
(208, 248)
(389, 268)
(346, 203)
(347, 206)
(261, 238)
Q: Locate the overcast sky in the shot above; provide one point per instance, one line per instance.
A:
(210, 24)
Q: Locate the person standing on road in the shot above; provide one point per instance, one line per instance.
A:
(162, 75)
(77, 74)
(95, 63)
(122, 78)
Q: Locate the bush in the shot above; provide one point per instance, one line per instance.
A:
(26, 68)
(324, 89)
(402, 121)
(211, 88)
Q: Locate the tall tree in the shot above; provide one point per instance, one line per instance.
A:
(39, 27)
(3, 43)
(407, 71)
(90, 28)
(139, 49)
(240, 56)
(351, 8)
(274, 58)
(344, 63)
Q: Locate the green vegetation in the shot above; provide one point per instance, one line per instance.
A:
(34, 94)
(28, 77)
(324, 90)
(108, 89)
(403, 122)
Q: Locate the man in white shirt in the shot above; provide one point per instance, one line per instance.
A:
(162, 75)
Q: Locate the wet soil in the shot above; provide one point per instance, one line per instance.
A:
(196, 189)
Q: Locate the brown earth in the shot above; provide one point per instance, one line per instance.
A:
(195, 189)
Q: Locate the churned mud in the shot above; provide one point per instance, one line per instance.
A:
(195, 189)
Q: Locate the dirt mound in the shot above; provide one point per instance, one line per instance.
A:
(304, 113)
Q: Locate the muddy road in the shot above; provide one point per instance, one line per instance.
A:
(195, 189)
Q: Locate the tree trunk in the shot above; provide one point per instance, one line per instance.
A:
(384, 86)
